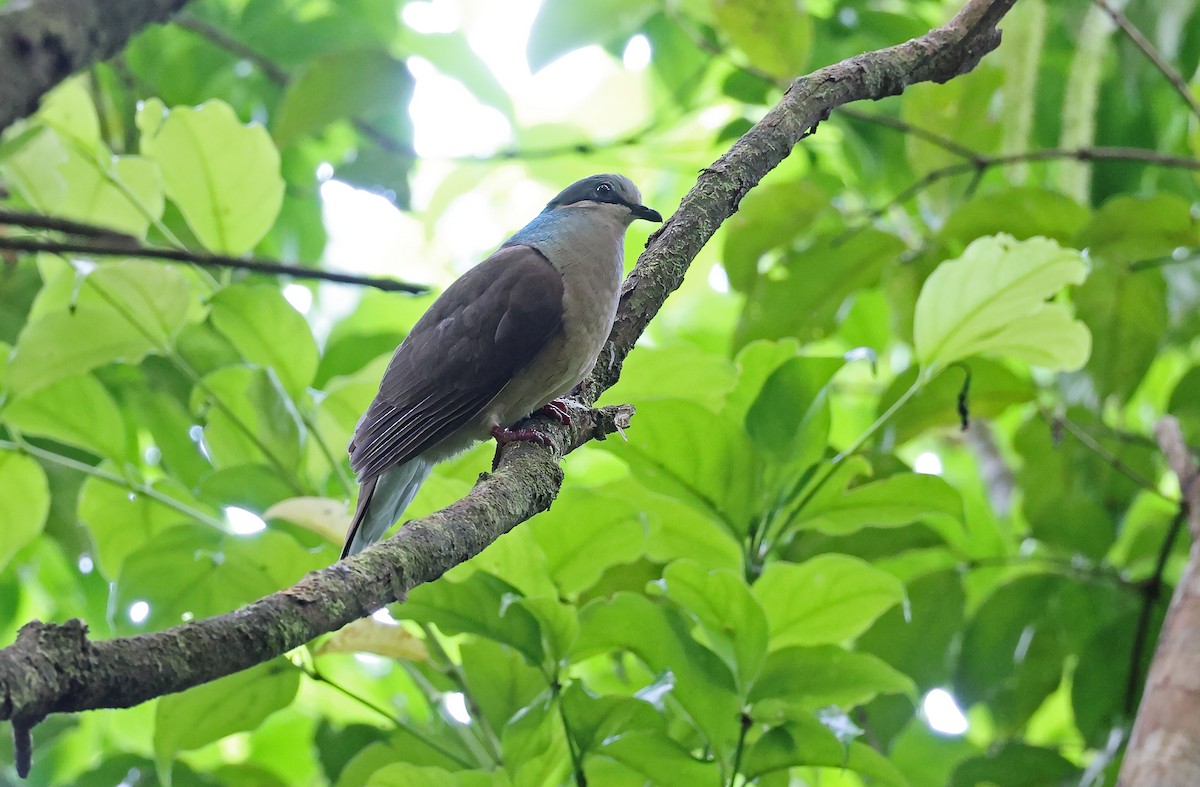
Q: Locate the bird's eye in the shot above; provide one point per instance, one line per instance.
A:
(604, 190)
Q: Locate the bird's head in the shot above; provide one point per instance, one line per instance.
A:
(609, 193)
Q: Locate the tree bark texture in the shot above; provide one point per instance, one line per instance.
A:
(42, 42)
(56, 669)
(1164, 748)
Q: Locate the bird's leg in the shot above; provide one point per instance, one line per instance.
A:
(557, 409)
(505, 436)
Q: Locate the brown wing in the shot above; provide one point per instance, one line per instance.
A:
(483, 329)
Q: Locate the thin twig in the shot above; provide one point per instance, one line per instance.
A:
(1114, 461)
(1152, 54)
(1151, 593)
(896, 124)
(980, 163)
(100, 248)
(39, 221)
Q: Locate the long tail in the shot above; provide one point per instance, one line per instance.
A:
(381, 501)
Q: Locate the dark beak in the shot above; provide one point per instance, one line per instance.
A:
(642, 212)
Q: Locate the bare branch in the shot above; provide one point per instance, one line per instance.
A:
(108, 243)
(1164, 747)
(56, 669)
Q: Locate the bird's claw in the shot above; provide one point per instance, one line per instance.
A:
(505, 436)
(557, 409)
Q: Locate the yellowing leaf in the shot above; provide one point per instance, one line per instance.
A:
(326, 517)
(222, 175)
(992, 300)
(371, 636)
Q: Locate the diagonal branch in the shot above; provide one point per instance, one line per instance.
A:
(1152, 54)
(56, 669)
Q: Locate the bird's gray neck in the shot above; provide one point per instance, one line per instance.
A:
(564, 235)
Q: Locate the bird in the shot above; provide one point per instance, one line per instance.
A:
(509, 337)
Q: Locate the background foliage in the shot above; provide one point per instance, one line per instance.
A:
(796, 544)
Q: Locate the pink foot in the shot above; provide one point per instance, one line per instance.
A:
(505, 436)
(557, 408)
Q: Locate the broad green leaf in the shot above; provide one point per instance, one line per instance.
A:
(992, 299)
(685, 450)
(1022, 212)
(248, 418)
(659, 760)
(1126, 313)
(769, 217)
(156, 298)
(776, 35)
(481, 604)
(24, 504)
(500, 680)
(69, 110)
(209, 712)
(198, 572)
(680, 371)
(595, 719)
(920, 638)
(829, 599)
(803, 295)
(703, 685)
(790, 418)
(222, 175)
(584, 533)
(889, 502)
(1128, 229)
(65, 344)
(805, 741)
(733, 622)
(558, 622)
(994, 388)
(121, 522)
(564, 25)
(63, 177)
(268, 331)
(809, 679)
(535, 743)
(402, 774)
(340, 85)
(78, 411)
(756, 362)
(1017, 763)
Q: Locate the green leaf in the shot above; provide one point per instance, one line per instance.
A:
(769, 217)
(679, 447)
(403, 774)
(889, 502)
(790, 418)
(209, 712)
(535, 744)
(805, 741)
(703, 685)
(341, 85)
(809, 679)
(249, 418)
(659, 759)
(24, 504)
(596, 719)
(564, 25)
(268, 332)
(920, 638)
(584, 533)
(992, 299)
(829, 599)
(720, 602)
(802, 296)
(481, 604)
(154, 297)
(61, 344)
(193, 571)
(1017, 764)
(77, 411)
(776, 35)
(499, 678)
(121, 522)
(1022, 212)
(1126, 313)
(222, 175)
